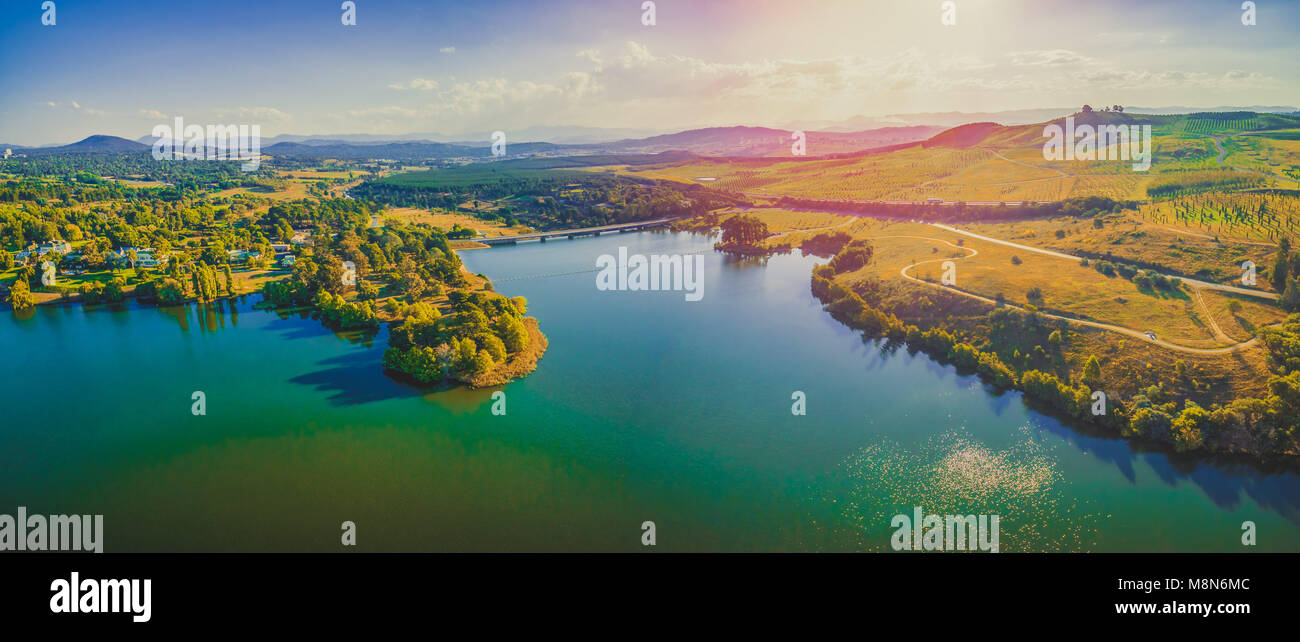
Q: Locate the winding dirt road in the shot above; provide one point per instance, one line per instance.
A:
(1094, 324)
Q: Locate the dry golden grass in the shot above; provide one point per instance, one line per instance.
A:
(964, 174)
(518, 364)
(1067, 286)
(289, 190)
(130, 182)
(446, 220)
(1242, 324)
(1134, 240)
(316, 175)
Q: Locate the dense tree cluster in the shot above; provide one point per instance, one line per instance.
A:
(548, 200)
(1085, 207)
(742, 232)
(826, 244)
(182, 177)
(483, 330)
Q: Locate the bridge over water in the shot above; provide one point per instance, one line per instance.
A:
(585, 231)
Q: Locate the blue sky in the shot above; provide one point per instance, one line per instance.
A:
(452, 67)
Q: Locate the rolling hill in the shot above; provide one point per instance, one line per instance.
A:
(91, 144)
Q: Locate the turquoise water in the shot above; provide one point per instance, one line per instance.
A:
(645, 407)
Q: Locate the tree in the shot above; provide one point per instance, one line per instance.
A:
(482, 362)
(412, 285)
(170, 290)
(230, 280)
(20, 296)
(466, 351)
(1150, 423)
(513, 333)
(1281, 264)
(196, 283)
(743, 230)
(366, 291)
(494, 347)
(114, 291)
(855, 256)
(1092, 371)
(1291, 296)
(1189, 427)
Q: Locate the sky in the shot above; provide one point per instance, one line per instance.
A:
(292, 67)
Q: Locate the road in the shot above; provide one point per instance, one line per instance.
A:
(880, 202)
(1093, 324)
(1028, 248)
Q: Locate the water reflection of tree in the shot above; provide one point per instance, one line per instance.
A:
(211, 317)
(744, 261)
(364, 337)
(180, 313)
(1225, 479)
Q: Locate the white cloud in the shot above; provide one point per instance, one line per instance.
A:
(417, 84)
(152, 114)
(76, 106)
(1119, 78)
(448, 50)
(1136, 37)
(1048, 57)
(262, 114)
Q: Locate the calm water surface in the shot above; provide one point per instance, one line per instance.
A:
(646, 407)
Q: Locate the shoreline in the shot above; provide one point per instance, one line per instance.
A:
(519, 365)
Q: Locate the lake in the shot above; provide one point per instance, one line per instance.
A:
(646, 407)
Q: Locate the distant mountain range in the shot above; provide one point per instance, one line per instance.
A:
(712, 141)
(1012, 117)
(96, 143)
(852, 136)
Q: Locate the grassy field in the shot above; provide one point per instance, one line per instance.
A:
(1130, 239)
(1006, 164)
(245, 280)
(1066, 287)
(1190, 317)
(446, 220)
(1249, 216)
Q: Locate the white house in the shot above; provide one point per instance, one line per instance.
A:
(59, 246)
